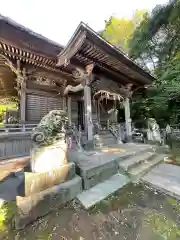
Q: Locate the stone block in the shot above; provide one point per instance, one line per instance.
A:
(48, 158)
(37, 182)
(31, 208)
(102, 190)
(104, 174)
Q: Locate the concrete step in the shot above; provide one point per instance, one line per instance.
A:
(136, 159)
(164, 178)
(98, 166)
(102, 190)
(139, 171)
(137, 151)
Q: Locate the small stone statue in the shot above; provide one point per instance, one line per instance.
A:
(49, 148)
(51, 128)
(153, 133)
(169, 136)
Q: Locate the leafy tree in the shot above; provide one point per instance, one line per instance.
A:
(156, 39)
(118, 30)
(155, 46)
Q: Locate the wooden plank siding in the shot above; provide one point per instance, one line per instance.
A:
(14, 145)
(74, 111)
(37, 106)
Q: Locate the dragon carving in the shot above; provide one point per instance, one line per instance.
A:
(80, 76)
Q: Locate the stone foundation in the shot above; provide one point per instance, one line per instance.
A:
(31, 208)
(33, 183)
(96, 168)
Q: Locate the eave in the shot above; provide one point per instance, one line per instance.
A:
(87, 46)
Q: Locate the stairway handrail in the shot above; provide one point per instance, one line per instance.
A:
(77, 133)
(116, 130)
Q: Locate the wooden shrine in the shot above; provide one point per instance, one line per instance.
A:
(87, 78)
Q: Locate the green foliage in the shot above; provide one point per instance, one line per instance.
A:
(119, 30)
(156, 39)
(7, 213)
(155, 46)
(5, 106)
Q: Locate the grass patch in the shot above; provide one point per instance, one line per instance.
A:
(7, 214)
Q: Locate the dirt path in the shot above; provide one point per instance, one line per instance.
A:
(13, 165)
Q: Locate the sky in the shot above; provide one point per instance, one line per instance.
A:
(58, 19)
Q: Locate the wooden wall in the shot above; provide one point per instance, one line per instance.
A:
(40, 102)
(14, 145)
(37, 106)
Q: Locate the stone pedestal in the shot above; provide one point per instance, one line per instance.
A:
(51, 183)
(35, 206)
(40, 193)
(33, 183)
(48, 158)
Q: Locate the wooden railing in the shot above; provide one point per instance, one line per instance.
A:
(14, 144)
(77, 135)
(16, 127)
(15, 140)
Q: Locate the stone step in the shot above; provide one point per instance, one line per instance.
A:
(109, 142)
(105, 132)
(137, 172)
(164, 178)
(108, 135)
(102, 190)
(97, 166)
(136, 159)
(136, 151)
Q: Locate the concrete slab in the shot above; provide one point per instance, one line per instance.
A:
(102, 190)
(166, 178)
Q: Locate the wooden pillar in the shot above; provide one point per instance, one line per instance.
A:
(98, 111)
(64, 103)
(23, 99)
(69, 110)
(88, 114)
(128, 119)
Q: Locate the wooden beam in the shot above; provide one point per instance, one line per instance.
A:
(88, 114)
(69, 110)
(128, 119)
(23, 98)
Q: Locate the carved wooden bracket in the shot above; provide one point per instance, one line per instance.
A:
(20, 75)
(82, 77)
(45, 81)
(126, 90)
